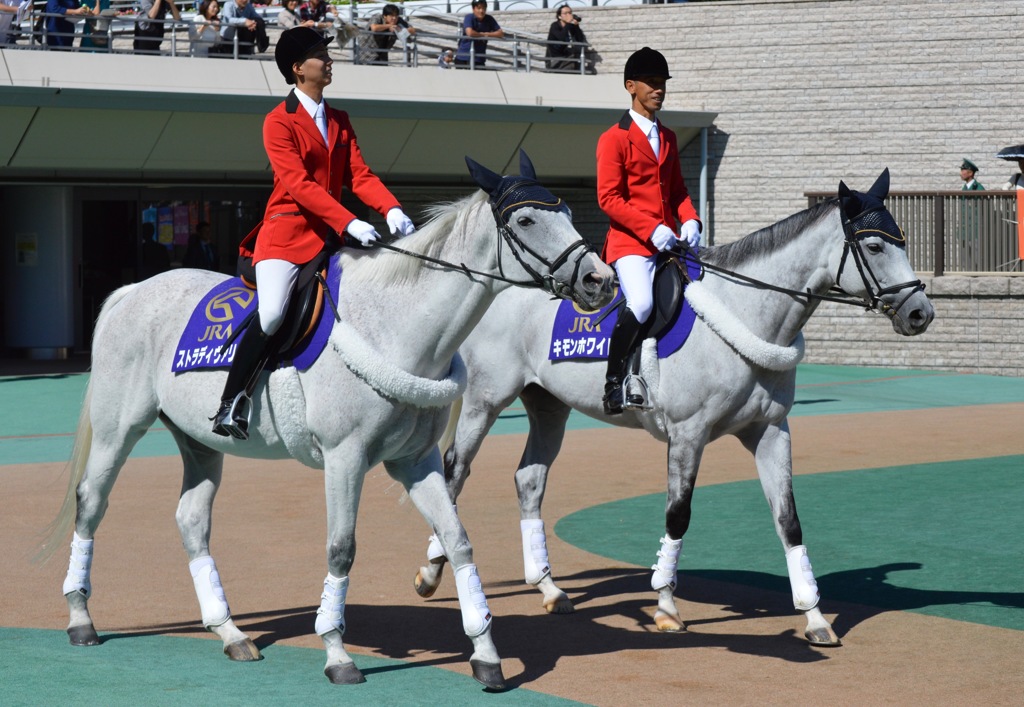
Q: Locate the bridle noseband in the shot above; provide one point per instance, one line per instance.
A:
(514, 194)
(873, 221)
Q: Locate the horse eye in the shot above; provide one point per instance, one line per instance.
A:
(524, 221)
(874, 248)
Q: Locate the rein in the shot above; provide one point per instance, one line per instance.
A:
(506, 235)
(873, 303)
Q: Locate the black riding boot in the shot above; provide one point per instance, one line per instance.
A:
(250, 357)
(624, 338)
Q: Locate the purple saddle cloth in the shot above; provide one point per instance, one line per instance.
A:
(575, 334)
(222, 310)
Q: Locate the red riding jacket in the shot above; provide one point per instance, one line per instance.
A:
(638, 191)
(308, 179)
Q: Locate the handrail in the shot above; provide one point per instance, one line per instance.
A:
(516, 52)
(951, 231)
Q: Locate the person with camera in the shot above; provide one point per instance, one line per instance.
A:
(566, 41)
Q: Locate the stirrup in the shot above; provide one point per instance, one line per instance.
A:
(635, 394)
(234, 419)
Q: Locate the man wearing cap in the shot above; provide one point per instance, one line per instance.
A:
(314, 155)
(967, 171)
(640, 187)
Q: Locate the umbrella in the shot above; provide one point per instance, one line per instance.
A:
(1012, 153)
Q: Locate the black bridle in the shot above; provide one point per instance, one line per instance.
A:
(854, 232)
(525, 192)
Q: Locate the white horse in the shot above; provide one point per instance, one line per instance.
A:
(381, 392)
(734, 375)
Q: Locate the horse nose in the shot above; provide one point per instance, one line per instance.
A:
(920, 319)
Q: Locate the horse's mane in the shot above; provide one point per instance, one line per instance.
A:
(448, 226)
(766, 240)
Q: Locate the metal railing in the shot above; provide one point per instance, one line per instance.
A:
(957, 231)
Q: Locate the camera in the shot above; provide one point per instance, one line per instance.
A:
(577, 18)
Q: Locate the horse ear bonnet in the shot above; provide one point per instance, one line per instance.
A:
(867, 213)
(509, 194)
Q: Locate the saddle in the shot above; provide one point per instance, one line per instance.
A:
(670, 280)
(304, 307)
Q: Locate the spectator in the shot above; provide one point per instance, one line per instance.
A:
(967, 171)
(94, 31)
(289, 16)
(1014, 153)
(204, 32)
(474, 26)
(150, 24)
(240, 18)
(201, 252)
(319, 12)
(155, 257)
(8, 9)
(566, 53)
(446, 59)
(60, 33)
(387, 27)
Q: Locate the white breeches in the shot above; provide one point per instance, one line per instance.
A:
(275, 280)
(636, 280)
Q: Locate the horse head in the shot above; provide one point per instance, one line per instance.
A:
(881, 272)
(537, 227)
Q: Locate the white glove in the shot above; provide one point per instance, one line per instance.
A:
(362, 231)
(663, 238)
(399, 223)
(690, 232)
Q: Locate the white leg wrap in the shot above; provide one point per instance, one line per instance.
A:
(668, 564)
(535, 550)
(331, 614)
(476, 616)
(212, 602)
(79, 567)
(801, 579)
(434, 549)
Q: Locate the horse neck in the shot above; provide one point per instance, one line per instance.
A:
(807, 261)
(419, 322)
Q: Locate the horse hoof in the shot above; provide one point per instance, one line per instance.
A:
(561, 605)
(243, 651)
(668, 624)
(84, 635)
(823, 636)
(344, 674)
(422, 588)
(488, 674)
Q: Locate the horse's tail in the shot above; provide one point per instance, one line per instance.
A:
(58, 529)
(449, 431)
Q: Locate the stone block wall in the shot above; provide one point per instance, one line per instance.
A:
(810, 92)
(977, 329)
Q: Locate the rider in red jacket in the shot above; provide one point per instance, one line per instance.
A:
(640, 187)
(314, 155)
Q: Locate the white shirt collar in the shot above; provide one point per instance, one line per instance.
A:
(308, 103)
(643, 123)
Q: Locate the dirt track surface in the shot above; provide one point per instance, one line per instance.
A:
(744, 646)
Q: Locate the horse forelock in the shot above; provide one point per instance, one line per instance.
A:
(769, 239)
(447, 229)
